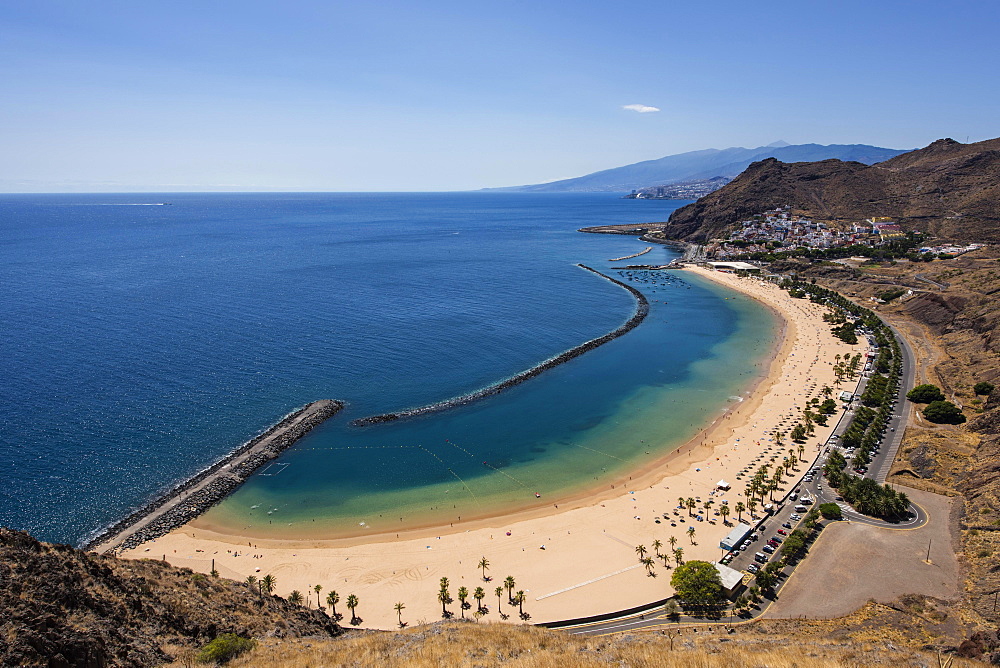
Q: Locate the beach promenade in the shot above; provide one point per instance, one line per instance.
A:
(577, 557)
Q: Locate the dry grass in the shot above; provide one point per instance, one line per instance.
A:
(460, 645)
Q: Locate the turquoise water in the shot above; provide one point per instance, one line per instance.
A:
(141, 343)
(585, 424)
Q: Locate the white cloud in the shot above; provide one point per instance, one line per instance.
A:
(641, 108)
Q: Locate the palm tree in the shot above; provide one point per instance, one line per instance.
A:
(679, 555)
(444, 598)
(648, 563)
(724, 511)
(827, 391)
(484, 564)
(751, 505)
(673, 542)
(295, 597)
(399, 607)
(690, 533)
(802, 450)
(499, 592)
(519, 599)
(509, 584)
(352, 603)
(251, 581)
(463, 593)
(740, 508)
(690, 506)
(333, 598)
(479, 595)
(641, 551)
(267, 583)
(317, 589)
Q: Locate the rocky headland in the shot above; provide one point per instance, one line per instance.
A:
(947, 189)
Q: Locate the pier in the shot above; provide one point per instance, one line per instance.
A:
(641, 310)
(190, 498)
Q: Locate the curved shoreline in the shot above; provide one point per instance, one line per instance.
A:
(641, 311)
(193, 496)
(593, 532)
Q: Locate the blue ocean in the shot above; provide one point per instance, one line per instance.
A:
(145, 336)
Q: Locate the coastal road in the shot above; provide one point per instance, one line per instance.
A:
(880, 465)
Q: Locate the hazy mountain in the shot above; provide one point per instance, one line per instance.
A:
(705, 164)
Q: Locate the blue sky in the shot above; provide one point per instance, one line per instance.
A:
(120, 96)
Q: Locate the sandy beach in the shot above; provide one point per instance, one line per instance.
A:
(573, 560)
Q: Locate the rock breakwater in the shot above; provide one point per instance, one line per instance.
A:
(641, 310)
(192, 497)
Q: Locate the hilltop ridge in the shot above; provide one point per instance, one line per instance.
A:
(947, 189)
(703, 164)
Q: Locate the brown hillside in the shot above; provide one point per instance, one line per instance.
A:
(949, 189)
(64, 607)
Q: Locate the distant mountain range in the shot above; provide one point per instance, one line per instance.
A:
(706, 164)
(947, 189)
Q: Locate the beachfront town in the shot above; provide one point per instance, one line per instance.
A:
(780, 230)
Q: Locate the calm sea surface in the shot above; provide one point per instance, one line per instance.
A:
(140, 343)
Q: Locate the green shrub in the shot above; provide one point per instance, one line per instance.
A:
(925, 394)
(944, 412)
(983, 388)
(224, 648)
(830, 511)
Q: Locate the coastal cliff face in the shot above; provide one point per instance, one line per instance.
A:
(65, 607)
(948, 189)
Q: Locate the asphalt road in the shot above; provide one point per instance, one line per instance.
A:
(882, 463)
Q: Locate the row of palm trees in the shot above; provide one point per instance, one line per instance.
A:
(676, 552)
(479, 593)
(845, 367)
(267, 583)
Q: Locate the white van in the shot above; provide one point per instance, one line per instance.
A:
(801, 509)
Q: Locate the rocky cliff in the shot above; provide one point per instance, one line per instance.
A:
(64, 607)
(949, 189)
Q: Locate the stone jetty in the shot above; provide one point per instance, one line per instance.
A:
(629, 257)
(191, 498)
(641, 310)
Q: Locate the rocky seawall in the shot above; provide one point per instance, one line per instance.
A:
(192, 497)
(641, 310)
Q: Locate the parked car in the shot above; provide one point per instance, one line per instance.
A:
(782, 532)
(768, 548)
(776, 539)
(753, 568)
(795, 518)
(787, 525)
